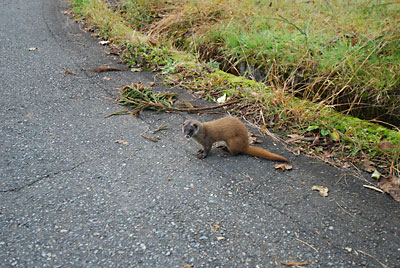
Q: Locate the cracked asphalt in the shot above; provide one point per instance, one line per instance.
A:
(70, 196)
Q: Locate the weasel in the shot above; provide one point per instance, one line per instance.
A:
(228, 129)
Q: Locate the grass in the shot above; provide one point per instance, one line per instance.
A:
(338, 54)
(344, 53)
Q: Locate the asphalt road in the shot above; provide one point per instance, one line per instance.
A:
(70, 196)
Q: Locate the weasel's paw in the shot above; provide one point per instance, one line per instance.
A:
(201, 154)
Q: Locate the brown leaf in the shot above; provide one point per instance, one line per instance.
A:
(187, 265)
(283, 167)
(152, 42)
(122, 142)
(386, 146)
(323, 190)
(368, 165)
(391, 185)
(104, 69)
(294, 263)
(253, 139)
(67, 71)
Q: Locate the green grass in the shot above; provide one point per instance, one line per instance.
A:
(344, 53)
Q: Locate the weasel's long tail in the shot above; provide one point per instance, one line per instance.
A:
(262, 153)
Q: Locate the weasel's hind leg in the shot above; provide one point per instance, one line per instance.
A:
(235, 146)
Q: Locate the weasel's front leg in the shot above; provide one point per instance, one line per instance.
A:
(202, 153)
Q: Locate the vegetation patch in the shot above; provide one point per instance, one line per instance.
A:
(292, 58)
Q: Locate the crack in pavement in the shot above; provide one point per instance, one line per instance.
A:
(16, 189)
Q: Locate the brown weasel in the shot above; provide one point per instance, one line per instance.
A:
(228, 129)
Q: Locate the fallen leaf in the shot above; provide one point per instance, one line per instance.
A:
(153, 139)
(107, 78)
(296, 151)
(323, 190)
(169, 179)
(151, 84)
(103, 43)
(376, 174)
(386, 146)
(152, 42)
(253, 139)
(104, 69)
(294, 263)
(222, 99)
(368, 165)
(136, 70)
(32, 48)
(283, 167)
(67, 71)
(187, 265)
(122, 142)
(220, 237)
(391, 185)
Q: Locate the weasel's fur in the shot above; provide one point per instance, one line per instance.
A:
(228, 129)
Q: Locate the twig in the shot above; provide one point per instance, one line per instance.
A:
(344, 209)
(373, 188)
(159, 129)
(117, 113)
(153, 139)
(162, 106)
(307, 244)
(376, 259)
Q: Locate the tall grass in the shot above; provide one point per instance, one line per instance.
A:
(344, 53)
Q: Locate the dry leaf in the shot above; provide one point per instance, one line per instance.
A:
(293, 138)
(368, 165)
(253, 139)
(122, 142)
(220, 237)
(107, 78)
(222, 99)
(386, 146)
(169, 179)
(32, 48)
(153, 139)
(152, 42)
(294, 263)
(187, 265)
(283, 167)
(151, 84)
(391, 185)
(103, 43)
(104, 69)
(67, 71)
(323, 190)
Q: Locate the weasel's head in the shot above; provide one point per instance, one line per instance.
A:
(190, 128)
